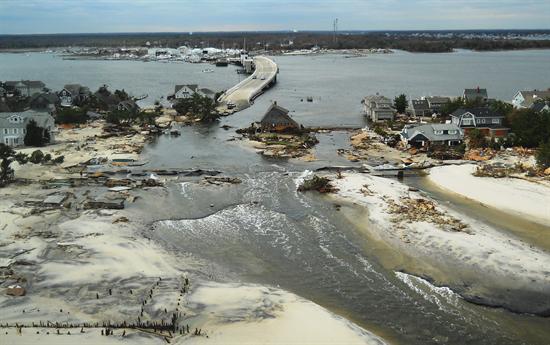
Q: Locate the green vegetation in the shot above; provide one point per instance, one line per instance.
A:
(400, 103)
(36, 157)
(543, 155)
(72, 115)
(8, 156)
(529, 127)
(199, 107)
(36, 136)
(476, 139)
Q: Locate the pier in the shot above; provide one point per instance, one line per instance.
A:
(242, 94)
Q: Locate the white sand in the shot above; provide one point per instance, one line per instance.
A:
(251, 314)
(484, 259)
(527, 199)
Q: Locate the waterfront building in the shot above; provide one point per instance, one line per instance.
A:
(26, 88)
(525, 99)
(420, 107)
(74, 94)
(489, 122)
(13, 126)
(276, 119)
(378, 108)
(423, 135)
(477, 94)
(436, 103)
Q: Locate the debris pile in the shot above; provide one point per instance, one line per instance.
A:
(480, 155)
(320, 184)
(422, 210)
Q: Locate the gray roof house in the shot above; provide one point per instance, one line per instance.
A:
(420, 107)
(74, 94)
(46, 101)
(525, 99)
(470, 95)
(276, 119)
(421, 135)
(482, 118)
(187, 91)
(378, 108)
(540, 106)
(13, 126)
(26, 88)
(128, 105)
(437, 102)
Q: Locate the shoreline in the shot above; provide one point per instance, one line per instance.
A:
(480, 263)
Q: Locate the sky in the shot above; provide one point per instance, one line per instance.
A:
(87, 16)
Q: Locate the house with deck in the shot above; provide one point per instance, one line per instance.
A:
(188, 90)
(420, 107)
(525, 99)
(485, 119)
(276, 119)
(74, 95)
(425, 135)
(13, 126)
(378, 108)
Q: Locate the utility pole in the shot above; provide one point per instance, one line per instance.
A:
(335, 29)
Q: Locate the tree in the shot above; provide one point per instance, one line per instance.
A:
(36, 135)
(543, 155)
(452, 106)
(8, 156)
(72, 115)
(501, 107)
(400, 103)
(199, 107)
(529, 127)
(476, 139)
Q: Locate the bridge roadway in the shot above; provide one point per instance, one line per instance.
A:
(244, 92)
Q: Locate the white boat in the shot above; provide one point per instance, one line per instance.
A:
(208, 70)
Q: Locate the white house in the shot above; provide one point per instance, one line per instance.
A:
(187, 91)
(378, 108)
(525, 99)
(13, 126)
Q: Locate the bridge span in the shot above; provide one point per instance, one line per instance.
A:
(242, 94)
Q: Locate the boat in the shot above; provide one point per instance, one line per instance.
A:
(222, 63)
(207, 70)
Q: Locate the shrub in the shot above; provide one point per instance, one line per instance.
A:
(59, 159)
(320, 184)
(36, 136)
(47, 158)
(476, 139)
(36, 157)
(543, 155)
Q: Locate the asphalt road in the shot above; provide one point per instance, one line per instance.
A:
(265, 71)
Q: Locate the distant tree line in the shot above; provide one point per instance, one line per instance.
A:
(273, 41)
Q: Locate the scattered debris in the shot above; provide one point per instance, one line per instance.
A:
(320, 184)
(16, 290)
(222, 180)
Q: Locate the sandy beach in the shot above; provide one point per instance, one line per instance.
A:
(482, 264)
(85, 269)
(524, 198)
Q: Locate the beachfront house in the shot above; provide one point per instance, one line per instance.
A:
(475, 95)
(74, 95)
(187, 91)
(541, 105)
(378, 108)
(276, 119)
(420, 107)
(128, 106)
(25, 88)
(46, 101)
(526, 99)
(425, 135)
(13, 126)
(436, 103)
(485, 119)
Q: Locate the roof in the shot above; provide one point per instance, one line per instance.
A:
(438, 99)
(207, 91)
(475, 93)
(49, 96)
(428, 131)
(377, 99)
(191, 86)
(41, 118)
(420, 104)
(477, 112)
(540, 105)
(28, 83)
(531, 97)
(277, 115)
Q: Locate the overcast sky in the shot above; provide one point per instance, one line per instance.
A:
(77, 16)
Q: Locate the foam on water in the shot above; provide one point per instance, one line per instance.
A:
(441, 296)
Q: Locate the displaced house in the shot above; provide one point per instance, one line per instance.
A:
(525, 99)
(13, 126)
(423, 135)
(46, 101)
(187, 91)
(485, 119)
(378, 108)
(25, 88)
(540, 106)
(436, 103)
(276, 119)
(420, 107)
(477, 94)
(74, 95)
(129, 106)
